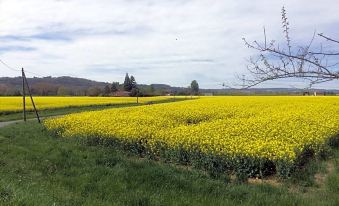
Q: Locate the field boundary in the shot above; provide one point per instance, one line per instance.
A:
(16, 115)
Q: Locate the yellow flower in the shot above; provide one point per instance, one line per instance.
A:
(274, 128)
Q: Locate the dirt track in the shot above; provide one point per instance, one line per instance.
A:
(3, 124)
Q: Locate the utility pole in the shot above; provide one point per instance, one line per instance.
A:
(23, 94)
(24, 80)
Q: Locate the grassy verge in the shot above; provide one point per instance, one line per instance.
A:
(67, 110)
(38, 169)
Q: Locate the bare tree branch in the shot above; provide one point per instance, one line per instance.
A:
(328, 38)
(273, 62)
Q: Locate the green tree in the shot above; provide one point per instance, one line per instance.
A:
(107, 90)
(127, 83)
(135, 92)
(133, 82)
(195, 87)
(115, 87)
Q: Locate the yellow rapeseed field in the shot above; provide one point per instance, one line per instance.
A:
(13, 104)
(276, 129)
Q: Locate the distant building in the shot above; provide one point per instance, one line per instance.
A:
(314, 93)
(208, 94)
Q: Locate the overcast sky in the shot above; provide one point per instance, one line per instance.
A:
(157, 41)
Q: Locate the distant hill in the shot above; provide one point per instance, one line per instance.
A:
(70, 86)
(59, 81)
(49, 85)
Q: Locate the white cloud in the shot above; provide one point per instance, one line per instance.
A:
(158, 41)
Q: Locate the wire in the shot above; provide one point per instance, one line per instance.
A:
(9, 67)
(17, 70)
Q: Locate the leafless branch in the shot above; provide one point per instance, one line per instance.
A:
(328, 38)
(274, 62)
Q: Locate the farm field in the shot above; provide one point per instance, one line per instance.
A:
(245, 136)
(11, 107)
(169, 103)
(14, 104)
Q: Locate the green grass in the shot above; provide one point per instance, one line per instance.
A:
(39, 169)
(67, 110)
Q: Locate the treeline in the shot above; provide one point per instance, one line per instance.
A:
(47, 89)
(131, 88)
(49, 86)
(69, 86)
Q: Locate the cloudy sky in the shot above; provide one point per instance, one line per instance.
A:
(157, 41)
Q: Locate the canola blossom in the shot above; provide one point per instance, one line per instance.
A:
(14, 104)
(271, 128)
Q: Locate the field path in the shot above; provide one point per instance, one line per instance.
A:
(4, 124)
